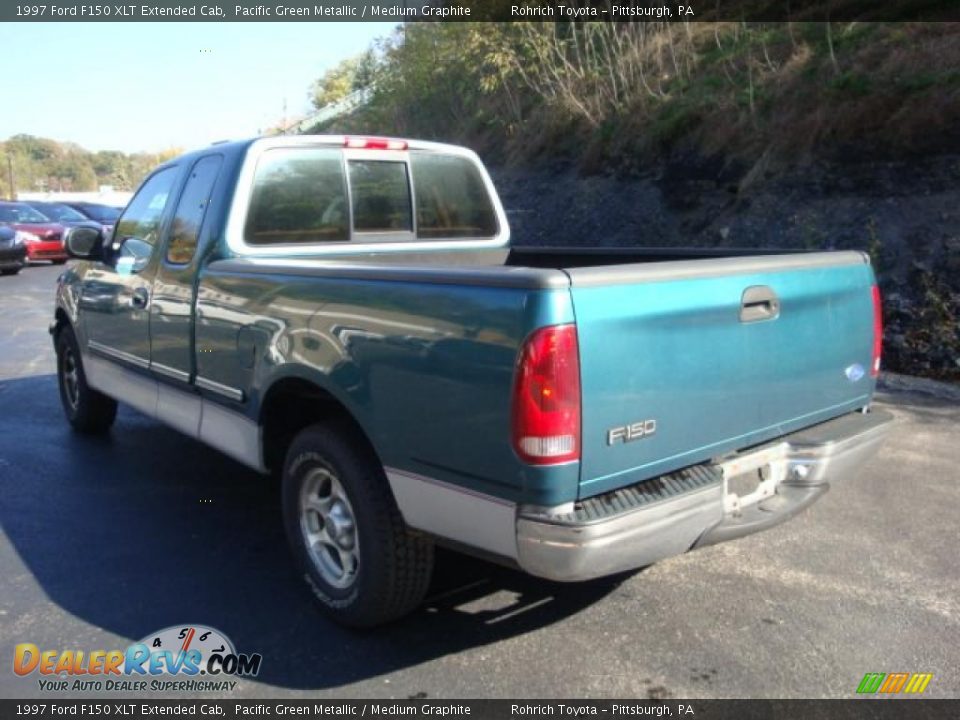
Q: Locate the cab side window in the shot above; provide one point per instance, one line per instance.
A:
(191, 209)
(138, 229)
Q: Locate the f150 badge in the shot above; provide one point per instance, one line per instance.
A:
(631, 432)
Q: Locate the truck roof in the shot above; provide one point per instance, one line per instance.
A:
(240, 147)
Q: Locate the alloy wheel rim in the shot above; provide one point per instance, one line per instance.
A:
(329, 528)
(71, 378)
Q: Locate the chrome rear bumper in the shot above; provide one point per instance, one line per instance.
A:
(798, 469)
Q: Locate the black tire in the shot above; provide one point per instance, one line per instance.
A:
(390, 567)
(87, 410)
(10, 271)
(58, 262)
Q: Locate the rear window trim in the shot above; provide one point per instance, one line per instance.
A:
(363, 241)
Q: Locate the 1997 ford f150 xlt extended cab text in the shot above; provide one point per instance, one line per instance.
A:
(347, 313)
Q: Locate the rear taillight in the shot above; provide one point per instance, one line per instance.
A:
(546, 397)
(877, 332)
(373, 143)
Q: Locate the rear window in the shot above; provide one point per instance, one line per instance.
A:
(101, 213)
(452, 199)
(299, 196)
(61, 213)
(381, 196)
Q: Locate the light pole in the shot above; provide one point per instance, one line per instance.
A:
(13, 192)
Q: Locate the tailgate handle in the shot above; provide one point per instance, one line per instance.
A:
(759, 302)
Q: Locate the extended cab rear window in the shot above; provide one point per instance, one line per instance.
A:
(452, 200)
(316, 195)
(299, 196)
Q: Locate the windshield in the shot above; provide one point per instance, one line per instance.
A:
(21, 214)
(62, 213)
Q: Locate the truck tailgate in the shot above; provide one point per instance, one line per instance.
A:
(685, 361)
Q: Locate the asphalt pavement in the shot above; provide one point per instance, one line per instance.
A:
(106, 540)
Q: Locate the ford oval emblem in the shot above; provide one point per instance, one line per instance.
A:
(854, 372)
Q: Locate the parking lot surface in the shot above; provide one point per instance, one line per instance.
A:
(106, 540)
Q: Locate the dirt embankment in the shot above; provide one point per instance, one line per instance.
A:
(905, 214)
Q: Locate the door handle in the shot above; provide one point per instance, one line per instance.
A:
(759, 302)
(139, 298)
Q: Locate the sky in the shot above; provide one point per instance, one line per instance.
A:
(152, 86)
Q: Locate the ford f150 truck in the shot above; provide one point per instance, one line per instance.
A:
(347, 313)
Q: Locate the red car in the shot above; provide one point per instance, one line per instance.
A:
(42, 238)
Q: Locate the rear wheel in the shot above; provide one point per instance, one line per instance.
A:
(58, 262)
(86, 409)
(365, 566)
(10, 271)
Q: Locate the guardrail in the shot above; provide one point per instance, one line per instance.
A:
(341, 107)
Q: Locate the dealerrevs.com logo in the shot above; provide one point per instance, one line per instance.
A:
(189, 658)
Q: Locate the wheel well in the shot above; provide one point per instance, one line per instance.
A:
(293, 404)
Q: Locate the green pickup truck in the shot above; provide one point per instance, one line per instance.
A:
(347, 314)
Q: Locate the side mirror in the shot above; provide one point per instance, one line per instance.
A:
(84, 242)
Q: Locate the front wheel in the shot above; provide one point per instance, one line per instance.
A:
(10, 271)
(87, 410)
(365, 566)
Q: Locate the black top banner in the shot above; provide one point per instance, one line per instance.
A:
(482, 11)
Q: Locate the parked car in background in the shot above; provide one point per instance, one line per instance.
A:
(104, 214)
(13, 253)
(42, 238)
(59, 212)
(67, 216)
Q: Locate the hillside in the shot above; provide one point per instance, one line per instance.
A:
(615, 97)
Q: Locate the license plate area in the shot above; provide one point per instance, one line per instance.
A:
(752, 477)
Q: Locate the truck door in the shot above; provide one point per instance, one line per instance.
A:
(116, 293)
(171, 311)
